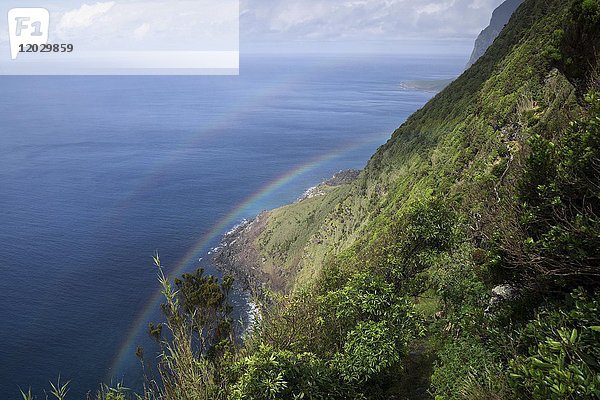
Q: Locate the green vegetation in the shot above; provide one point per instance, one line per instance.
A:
(495, 181)
(199, 341)
(289, 229)
(463, 263)
(561, 360)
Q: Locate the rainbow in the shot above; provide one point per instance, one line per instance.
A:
(285, 84)
(219, 228)
(209, 131)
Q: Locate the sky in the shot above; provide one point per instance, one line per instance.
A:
(399, 25)
(273, 25)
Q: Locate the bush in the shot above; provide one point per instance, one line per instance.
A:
(268, 374)
(463, 366)
(371, 349)
(199, 337)
(562, 361)
(560, 198)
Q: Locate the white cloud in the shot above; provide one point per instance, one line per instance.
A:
(84, 16)
(153, 24)
(364, 19)
(434, 8)
(181, 23)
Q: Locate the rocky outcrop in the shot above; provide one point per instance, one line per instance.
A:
(238, 256)
(502, 294)
(500, 18)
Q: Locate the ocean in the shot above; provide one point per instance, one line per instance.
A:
(97, 173)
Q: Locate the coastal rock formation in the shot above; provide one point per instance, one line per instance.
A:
(500, 18)
(238, 256)
(239, 253)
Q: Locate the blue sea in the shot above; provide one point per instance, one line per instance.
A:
(96, 173)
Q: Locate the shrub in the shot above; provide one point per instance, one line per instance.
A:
(562, 361)
(370, 350)
(198, 338)
(466, 366)
(268, 374)
(560, 199)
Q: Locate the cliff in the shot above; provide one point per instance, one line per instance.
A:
(500, 18)
(462, 262)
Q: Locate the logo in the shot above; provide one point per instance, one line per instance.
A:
(27, 26)
(134, 39)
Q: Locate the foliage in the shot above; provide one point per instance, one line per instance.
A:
(562, 361)
(579, 52)
(457, 283)
(359, 331)
(205, 306)
(415, 238)
(268, 374)
(375, 324)
(59, 391)
(112, 393)
(199, 338)
(466, 366)
(370, 349)
(560, 198)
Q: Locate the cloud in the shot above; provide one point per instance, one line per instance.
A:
(84, 16)
(364, 19)
(182, 24)
(153, 24)
(434, 8)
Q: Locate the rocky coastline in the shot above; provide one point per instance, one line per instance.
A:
(239, 255)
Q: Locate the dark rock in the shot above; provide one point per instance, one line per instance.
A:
(500, 18)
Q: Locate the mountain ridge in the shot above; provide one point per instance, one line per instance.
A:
(500, 18)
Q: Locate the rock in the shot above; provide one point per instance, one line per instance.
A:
(500, 18)
(501, 294)
(505, 292)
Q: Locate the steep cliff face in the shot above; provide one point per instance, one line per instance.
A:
(500, 18)
(463, 260)
(468, 143)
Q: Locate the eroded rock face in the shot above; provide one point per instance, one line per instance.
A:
(500, 18)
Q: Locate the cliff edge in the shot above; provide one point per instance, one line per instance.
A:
(500, 18)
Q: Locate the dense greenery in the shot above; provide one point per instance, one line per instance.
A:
(464, 262)
(495, 181)
(561, 358)
(559, 198)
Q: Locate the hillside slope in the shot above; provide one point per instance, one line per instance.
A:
(467, 250)
(460, 144)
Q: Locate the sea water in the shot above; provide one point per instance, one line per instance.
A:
(96, 173)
